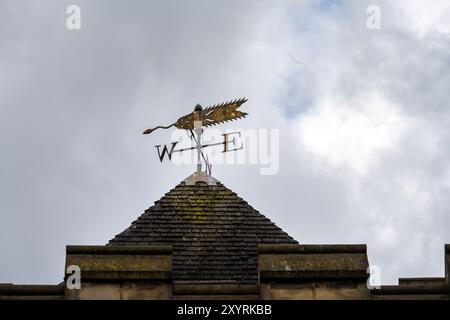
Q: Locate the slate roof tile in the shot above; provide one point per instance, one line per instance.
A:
(213, 232)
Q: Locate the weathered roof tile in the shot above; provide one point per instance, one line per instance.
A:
(213, 232)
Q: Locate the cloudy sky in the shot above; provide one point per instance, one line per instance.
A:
(363, 117)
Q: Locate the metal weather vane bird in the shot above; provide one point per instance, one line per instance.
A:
(194, 121)
(210, 116)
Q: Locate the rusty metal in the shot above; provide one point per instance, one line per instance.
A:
(194, 122)
(209, 116)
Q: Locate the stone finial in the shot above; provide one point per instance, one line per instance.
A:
(200, 177)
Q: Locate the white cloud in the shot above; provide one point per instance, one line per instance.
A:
(421, 17)
(352, 132)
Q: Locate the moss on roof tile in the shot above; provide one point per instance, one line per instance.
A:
(213, 232)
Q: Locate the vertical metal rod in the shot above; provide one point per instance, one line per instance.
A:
(198, 130)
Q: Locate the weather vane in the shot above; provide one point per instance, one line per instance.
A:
(194, 121)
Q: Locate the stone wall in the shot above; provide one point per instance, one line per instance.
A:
(313, 272)
(447, 263)
(108, 272)
(9, 291)
(418, 288)
(286, 271)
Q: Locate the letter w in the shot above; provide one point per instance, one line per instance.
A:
(165, 150)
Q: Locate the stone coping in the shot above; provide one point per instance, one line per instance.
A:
(123, 250)
(411, 290)
(311, 248)
(308, 276)
(421, 281)
(215, 289)
(35, 290)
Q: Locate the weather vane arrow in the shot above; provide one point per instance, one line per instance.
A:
(199, 118)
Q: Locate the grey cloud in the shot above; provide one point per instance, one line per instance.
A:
(75, 168)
